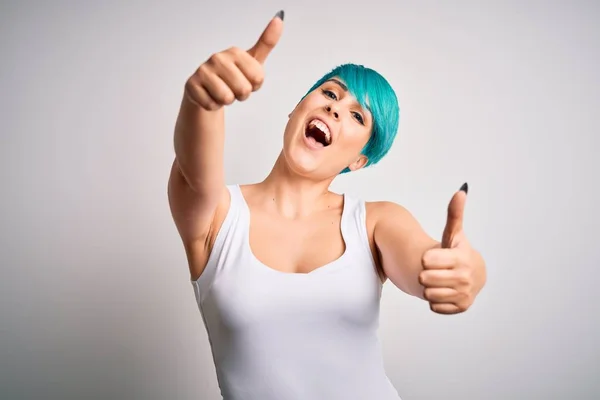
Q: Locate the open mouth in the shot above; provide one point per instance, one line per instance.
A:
(318, 132)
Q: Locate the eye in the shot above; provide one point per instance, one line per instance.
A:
(329, 94)
(359, 118)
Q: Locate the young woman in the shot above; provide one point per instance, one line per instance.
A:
(287, 274)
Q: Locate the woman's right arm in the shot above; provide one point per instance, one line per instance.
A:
(196, 187)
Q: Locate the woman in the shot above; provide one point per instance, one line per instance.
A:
(287, 274)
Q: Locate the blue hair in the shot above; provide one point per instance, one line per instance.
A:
(365, 85)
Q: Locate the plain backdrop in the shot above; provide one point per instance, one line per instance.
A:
(95, 297)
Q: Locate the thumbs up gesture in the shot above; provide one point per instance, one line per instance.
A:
(233, 74)
(453, 273)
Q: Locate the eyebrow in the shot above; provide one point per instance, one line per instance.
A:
(339, 83)
(345, 89)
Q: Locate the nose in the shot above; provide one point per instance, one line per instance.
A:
(335, 113)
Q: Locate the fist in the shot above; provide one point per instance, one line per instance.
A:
(449, 279)
(453, 274)
(233, 74)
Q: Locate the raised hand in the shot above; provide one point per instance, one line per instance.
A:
(233, 74)
(454, 273)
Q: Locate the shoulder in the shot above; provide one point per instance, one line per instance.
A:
(385, 217)
(380, 213)
(383, 210)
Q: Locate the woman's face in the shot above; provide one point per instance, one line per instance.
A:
(326, 132)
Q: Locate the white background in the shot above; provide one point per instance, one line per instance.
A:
(95, 297)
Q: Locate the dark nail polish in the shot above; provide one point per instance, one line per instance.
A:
(465, 187)
(280, 14)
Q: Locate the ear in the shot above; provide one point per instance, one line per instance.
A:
(360, 162)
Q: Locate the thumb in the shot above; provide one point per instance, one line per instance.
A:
(454, 221)
(268, 39)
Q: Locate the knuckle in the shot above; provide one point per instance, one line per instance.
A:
(244, 91)
(190, 85)
(256, 86)
(423, 278)
(227, 97)
(427, 294)
(191, 90)
(235, 50)
(257, 78)
(242, 96)
(425, 259)
(255, 75)
(217, 58)
(202, 71)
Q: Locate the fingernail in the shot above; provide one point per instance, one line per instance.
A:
(280, 14)
(465, 187)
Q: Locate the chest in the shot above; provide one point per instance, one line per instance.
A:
(297, 246)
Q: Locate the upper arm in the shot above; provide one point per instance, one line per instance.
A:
(196, 217)
(400, 242)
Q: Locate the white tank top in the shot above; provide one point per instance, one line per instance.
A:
(293, 336)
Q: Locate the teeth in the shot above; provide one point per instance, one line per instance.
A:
(322, 127)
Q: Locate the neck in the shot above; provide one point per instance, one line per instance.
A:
(294, 195)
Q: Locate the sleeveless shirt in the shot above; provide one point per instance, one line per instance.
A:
(293, 336)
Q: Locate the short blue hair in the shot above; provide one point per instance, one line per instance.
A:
(365, 85)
